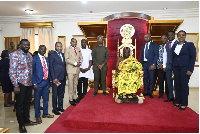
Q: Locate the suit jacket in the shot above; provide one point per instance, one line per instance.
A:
(169, 55)
(57, 66)
(38, 72)
(71, 58)
(153, 54)
(186, 57)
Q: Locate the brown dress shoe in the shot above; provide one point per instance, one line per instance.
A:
(39, 120)
(47, 116)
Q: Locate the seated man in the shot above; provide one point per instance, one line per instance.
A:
(128, 79)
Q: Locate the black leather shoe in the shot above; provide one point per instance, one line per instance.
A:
(72, 103)
(105, 94)
(56, 112)
(61, 110)
(151, 96)
(145, 94)
(160, 97)
(175, 105)
(75, 100)
(168, 100)
(30, 123)
(94, 94)
(181, 108)
(22, 129)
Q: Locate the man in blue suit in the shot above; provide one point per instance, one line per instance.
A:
(149, 57)
(41, 82)
(58, 74)
(167, 63)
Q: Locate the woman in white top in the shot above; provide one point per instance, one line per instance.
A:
(183, 59)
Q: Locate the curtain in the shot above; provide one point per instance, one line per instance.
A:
(29, 33)
(45, 37)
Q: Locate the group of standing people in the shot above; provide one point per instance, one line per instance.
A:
(175, 60)
(26, 73)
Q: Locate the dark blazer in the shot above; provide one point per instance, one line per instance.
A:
(186, 57)
(38, 73)
(169, 55)
(57, 67)
(153, 54)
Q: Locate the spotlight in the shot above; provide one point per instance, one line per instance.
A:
(29, 11)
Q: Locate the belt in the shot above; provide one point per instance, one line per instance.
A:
(145, 61)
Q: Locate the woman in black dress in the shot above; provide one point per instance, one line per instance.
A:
(7, 86)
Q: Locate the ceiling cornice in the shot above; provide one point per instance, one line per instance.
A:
(84, 17)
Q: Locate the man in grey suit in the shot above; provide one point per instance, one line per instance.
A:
(100, 56)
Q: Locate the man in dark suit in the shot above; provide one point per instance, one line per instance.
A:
(149, 57)
(58, 74)
(167, 63)
(100, 56)
(41, 82)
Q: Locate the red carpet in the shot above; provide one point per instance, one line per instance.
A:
(101, 114)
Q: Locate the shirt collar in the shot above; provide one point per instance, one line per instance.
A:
(40, 55)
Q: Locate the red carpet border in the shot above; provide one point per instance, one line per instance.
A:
(101, 114)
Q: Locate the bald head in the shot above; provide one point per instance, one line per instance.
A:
(147, 37)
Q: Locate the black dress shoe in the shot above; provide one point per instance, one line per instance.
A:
(160, 97)
(72, 103)
(94, 94)
(151, 96)
(105, 94)
(61, 110)
(75, 100)
(168, 100)
(22, 129)
(56, 112)
(145, 94)
(175, 105)
(30, 123)
(182, 108)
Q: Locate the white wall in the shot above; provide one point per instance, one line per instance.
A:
(190, 25)
(9, 30)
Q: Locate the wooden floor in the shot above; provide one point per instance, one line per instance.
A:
(8, 117)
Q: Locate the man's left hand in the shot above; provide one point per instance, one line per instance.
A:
(152, 67)
(189, 73)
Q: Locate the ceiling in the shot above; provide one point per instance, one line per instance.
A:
(14, 11)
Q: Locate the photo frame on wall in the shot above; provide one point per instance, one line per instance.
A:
(62, 39)
(193, 37)
(7, 41)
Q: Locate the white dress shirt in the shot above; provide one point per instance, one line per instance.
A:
(165, 54)
(145, 49)
(87, 56)
(178, 49)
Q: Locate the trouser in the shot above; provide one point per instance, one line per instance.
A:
(148, 78)
(58, 95)
(72, 85)
(161, 79)
(23, 101)
(181, 81)
(97, 74)
(170, 83)
(43, 90)
(84, 81)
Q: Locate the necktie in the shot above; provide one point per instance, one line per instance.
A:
(44, 69)
(170, 45)
(75, 50)
(59, 54)
(146, 51)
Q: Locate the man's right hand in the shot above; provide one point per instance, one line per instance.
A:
(35, 87)
(164, 69)
(16, 90)
(56, 81)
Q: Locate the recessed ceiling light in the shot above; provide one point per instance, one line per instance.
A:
(84, 1)
(29, 11)
(164, 8)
